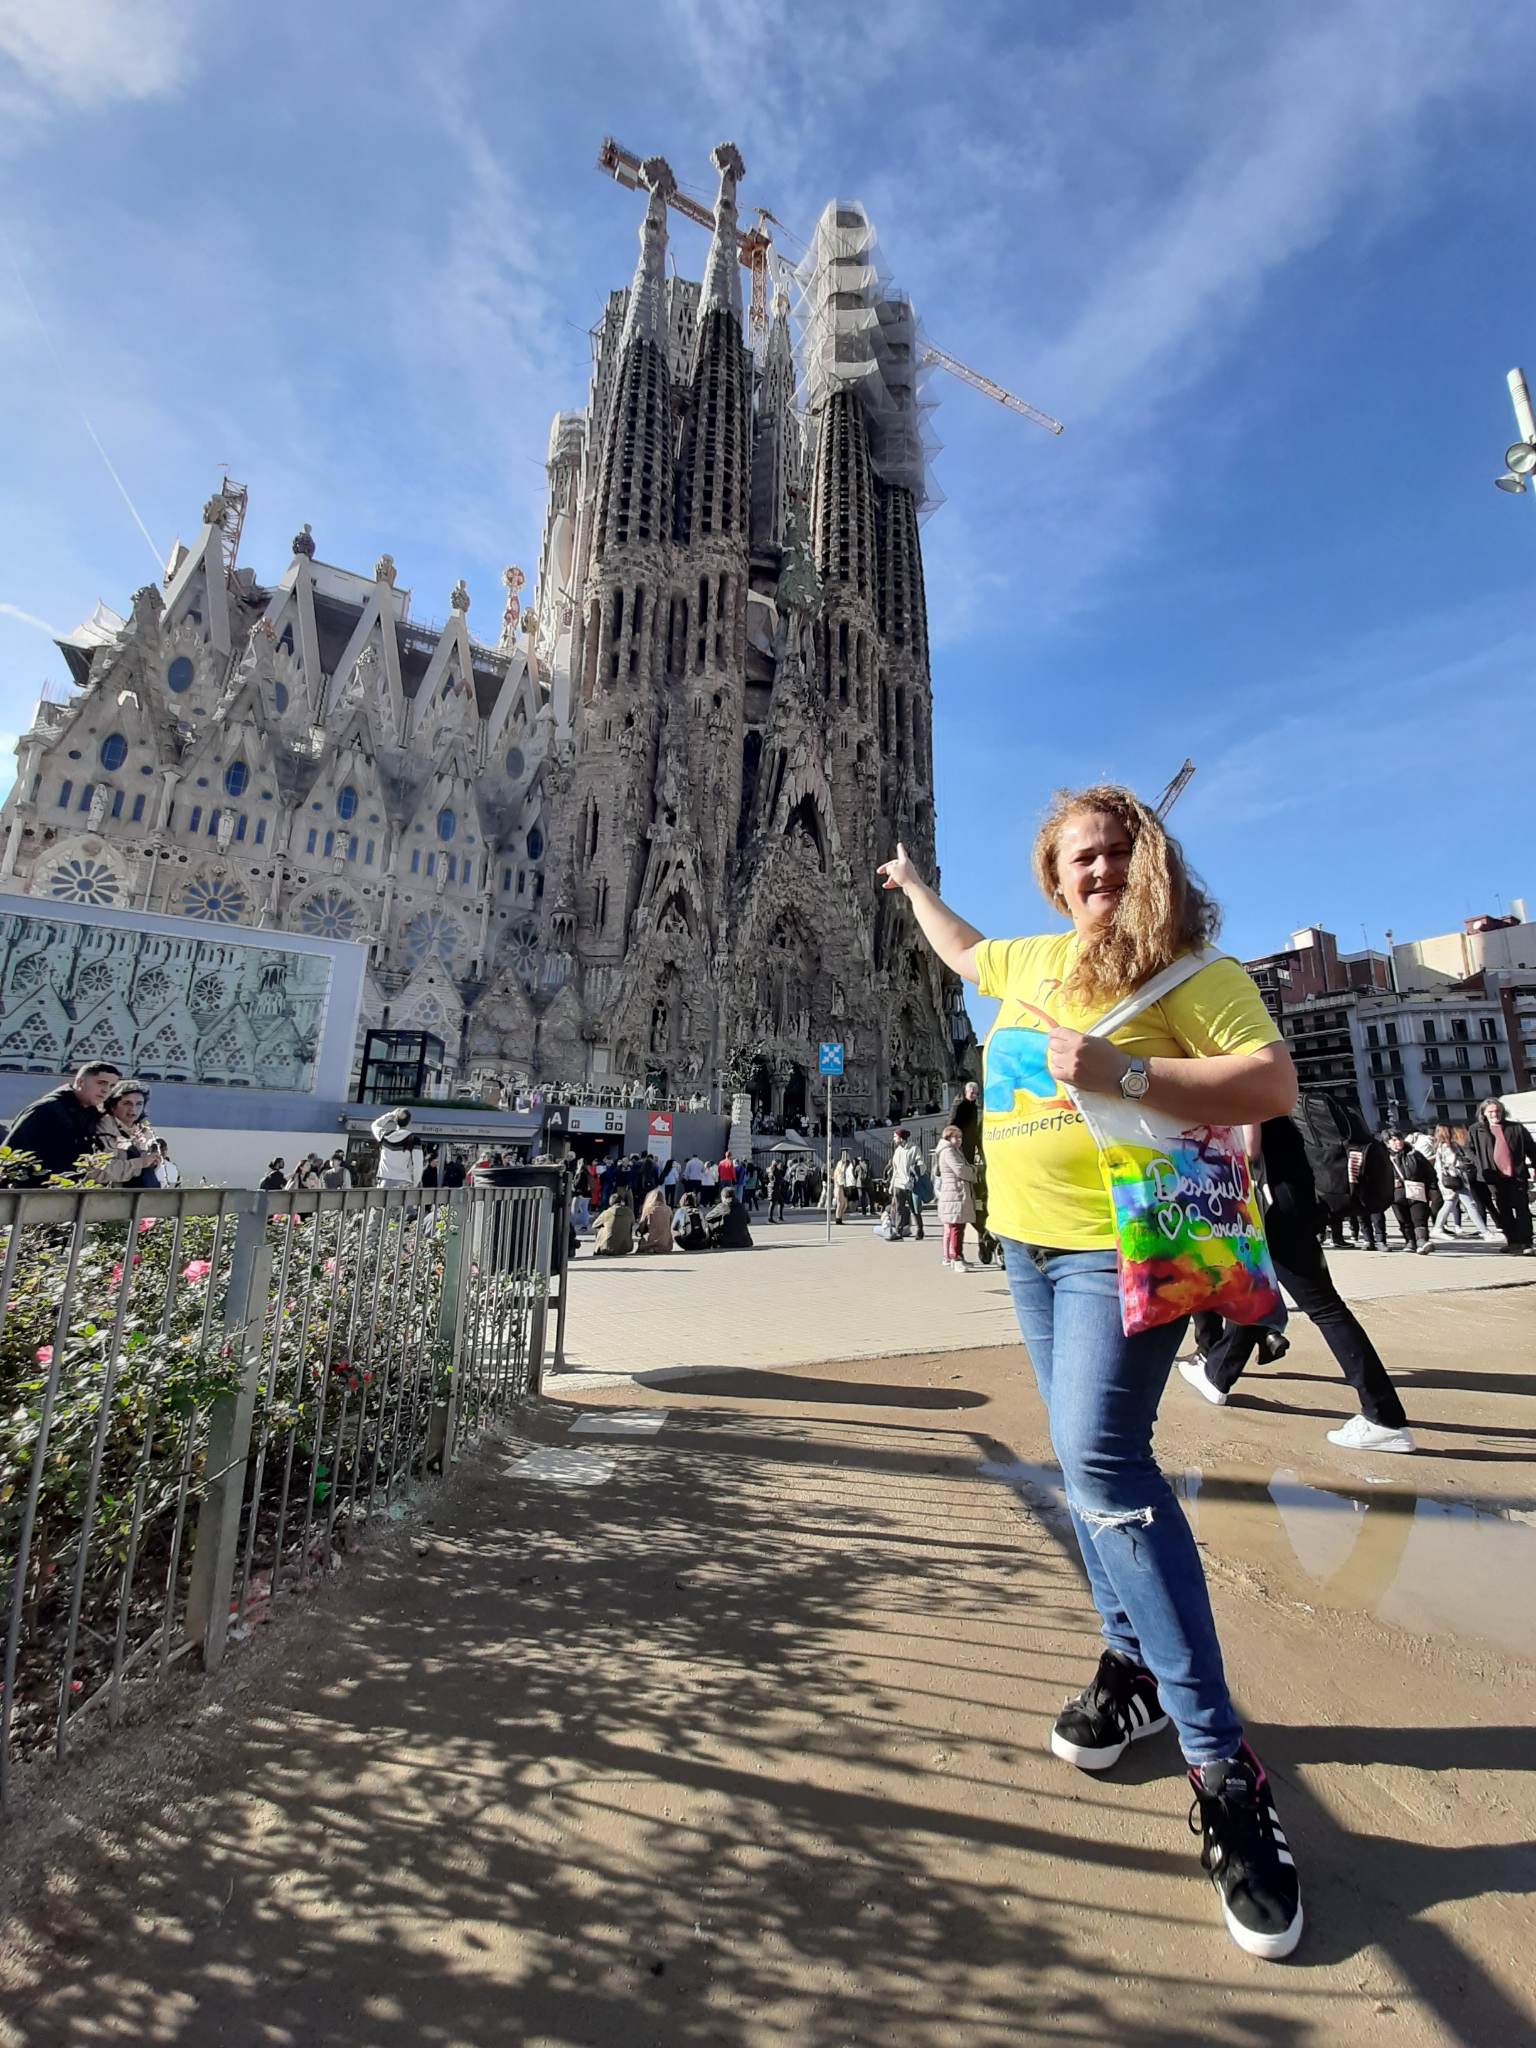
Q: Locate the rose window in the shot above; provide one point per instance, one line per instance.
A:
(432, 935)
(521, 949)
(30, 971)
(95, 980)
(216, 899)
(207, 993)
(154, 988)
(330, 915)
(83, 881)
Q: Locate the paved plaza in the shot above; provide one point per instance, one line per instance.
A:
(795, 1299)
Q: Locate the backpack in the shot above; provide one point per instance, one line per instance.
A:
(1326, 1131)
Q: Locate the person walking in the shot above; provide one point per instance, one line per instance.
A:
(954, 1176)
(60, 1128)
(1372, 1190)
(1291, 1225)
(1503, 1152)
(1453, 1169)
(906, 1161)
(1410, 1193)
(778, 1181)
(1207, 1053)
(842, 1186)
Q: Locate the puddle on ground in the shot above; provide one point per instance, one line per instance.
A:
(1437, 1567)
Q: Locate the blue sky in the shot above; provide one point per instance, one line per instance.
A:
(1270, 269)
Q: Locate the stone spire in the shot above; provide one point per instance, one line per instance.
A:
(646, 319)
(776, 457)
(722, 274)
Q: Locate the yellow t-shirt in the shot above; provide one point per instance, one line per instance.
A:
(1043, 1184)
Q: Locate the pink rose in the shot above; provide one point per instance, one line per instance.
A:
(44, 1354)
(197, 1269)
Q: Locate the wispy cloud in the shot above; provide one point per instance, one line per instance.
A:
(83, 55)
(14, 611)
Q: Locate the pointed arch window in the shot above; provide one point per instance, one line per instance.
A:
(236, 776)
(280, 696)
(346, 802)
(447, 824)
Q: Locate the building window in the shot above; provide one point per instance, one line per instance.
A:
(312, 841)
(196, 818)
(85, 797)
(261, 830)
(330, 844)
(280, 697)
(117, 803)
(114, 751)
(66, 791)
(213, 824)
(1391, 1034)
(506, 881)
(453, 867)
(447, 825)
(1458, 1027)
(178, 677)
(236, 776)
(1489, 1028)
(535, 844)
(240, 826)
(138, 810)
(514, 762)
(431, 863)
(367, 855)
(1429, 1030)
(346, 803)
(1371, 1037)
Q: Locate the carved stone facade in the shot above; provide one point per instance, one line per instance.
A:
(636, 839)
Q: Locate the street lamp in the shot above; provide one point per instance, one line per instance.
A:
(1519, 456)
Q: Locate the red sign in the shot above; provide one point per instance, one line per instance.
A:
(660, 1126)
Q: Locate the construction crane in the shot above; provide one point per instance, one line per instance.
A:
(755, 244)
(1174, 791)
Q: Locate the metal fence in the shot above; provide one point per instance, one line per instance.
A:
(206, 1395)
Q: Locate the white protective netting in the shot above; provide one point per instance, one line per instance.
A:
(858, 329)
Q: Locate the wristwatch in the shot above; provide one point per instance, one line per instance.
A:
(1135, 1081)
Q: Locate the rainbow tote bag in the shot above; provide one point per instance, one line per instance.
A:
(1188, 1226)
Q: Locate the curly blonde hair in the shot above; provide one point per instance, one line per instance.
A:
(1164, 911)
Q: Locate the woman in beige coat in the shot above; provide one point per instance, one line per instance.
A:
(953, 1175)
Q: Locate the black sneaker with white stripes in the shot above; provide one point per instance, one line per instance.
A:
(1095, 1729)
(1244, 1849)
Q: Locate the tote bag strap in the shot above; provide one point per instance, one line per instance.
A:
(1163, 984)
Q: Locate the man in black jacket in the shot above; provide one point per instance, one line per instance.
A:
(1503, 1154)
(59, 1129)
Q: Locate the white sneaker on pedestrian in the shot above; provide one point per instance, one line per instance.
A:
(1192, 1370)
(1361, 1434)
(960, 1266)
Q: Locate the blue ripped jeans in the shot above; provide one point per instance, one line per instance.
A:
(1101, 1390)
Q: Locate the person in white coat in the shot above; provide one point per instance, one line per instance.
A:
(400, 1153)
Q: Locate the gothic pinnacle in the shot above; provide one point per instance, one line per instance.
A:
(646, 319)
(722, 275)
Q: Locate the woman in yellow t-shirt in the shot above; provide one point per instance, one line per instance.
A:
(1206, 1054)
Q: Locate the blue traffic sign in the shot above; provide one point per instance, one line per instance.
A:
(829, 1056)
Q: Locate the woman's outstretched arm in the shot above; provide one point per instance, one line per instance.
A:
(951, 937)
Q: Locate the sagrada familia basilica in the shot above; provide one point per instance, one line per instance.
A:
(635, 839)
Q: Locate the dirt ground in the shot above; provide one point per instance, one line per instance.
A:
(715, 1714)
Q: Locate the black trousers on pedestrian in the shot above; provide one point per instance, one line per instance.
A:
(1412, 1221)
(1303, 1272)
(1511, 1207)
